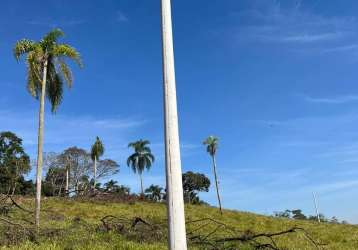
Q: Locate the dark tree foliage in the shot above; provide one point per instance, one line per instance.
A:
(14, 163)
(192, 184)
(297, 214)
(112, 187)
(154, 193)
(54, 183)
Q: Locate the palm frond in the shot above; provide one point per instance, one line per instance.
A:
(151, 157)
(64, 50)
(23, 47)
(33, 74)
(97, 149)
(211, 143)
(66, 72)
(51, 38)
(54, 90)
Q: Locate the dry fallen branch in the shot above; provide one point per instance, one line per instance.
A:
(207, 233)
(257, 241)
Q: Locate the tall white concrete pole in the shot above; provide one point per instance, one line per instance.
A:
(175, 201)
(316, 207)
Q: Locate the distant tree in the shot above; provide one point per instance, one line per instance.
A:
(105, 168)
(334, 220)
(112, 187)
(97, 151)
(84, 185)
(284, 214)
(154, 193)
(323, 218)
(80, 163)
(141, 158)
(46, 72)
(54, 183)
(212, 143)
(14, 162)
(192, 184)
(298, 215)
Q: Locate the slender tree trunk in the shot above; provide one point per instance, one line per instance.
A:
(67, 182)
(175, 200)
(316, 208)
(95, 172)
(40, 147)
(141, 184)
(13, 189)
(216, 183)
(8, 190)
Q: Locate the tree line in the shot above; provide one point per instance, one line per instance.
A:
(76, 172)
(297, 214)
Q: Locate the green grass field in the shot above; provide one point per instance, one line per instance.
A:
(61, 214)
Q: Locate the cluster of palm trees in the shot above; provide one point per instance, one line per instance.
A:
(47, 73)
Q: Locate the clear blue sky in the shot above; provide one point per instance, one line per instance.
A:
(276, 81)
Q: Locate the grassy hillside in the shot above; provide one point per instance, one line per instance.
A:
(78, 226)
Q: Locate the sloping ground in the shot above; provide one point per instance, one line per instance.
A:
(69, 224)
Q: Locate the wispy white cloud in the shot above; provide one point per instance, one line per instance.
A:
(56, 23)
(342, 48)
(332, 186)
(307, 38)
(332, 100)
(63, 130)
(295, 24)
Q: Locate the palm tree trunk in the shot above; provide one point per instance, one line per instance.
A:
(40, 148)
(141, 184)
(95, 173)
(216, 183)
(175, 200)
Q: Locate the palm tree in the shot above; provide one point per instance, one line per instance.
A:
(211, 147)
(111, 185)
(141, 158)
(154, 193)
(46, 73)
(97, 151)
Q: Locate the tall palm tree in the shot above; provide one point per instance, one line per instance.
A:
(47, 71)
(141, 158)
(211, 147)
(97, 151)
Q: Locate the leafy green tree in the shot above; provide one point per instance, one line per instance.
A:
(298, 215)
(47, 71)
(14, 162)
(54, 183)
(284, 214)
(154, 193)
(212, 143)
(141, 159)
(110, 185)
(192, 184)
(97, 151)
